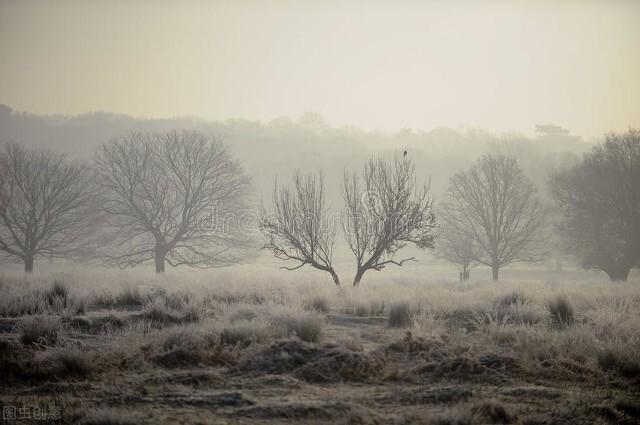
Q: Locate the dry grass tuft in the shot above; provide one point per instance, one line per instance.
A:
(244, 332)
(624, 362)
(400, 315)
(14, 359)
(17, 299)
(372, 308)
(511, 298)
(340, 365)
(129, 296)
(561, 311)
(312, 363)
(162, 311)
(63, 362)
(187, 347)
(39, 330)
(306, 325)
(321, 304)
(492, 412)
(630, 407)
(105, 417)
(449, 417)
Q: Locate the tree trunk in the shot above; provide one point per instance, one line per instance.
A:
(465, 272)
(159, 255)
(28, 264)
(335, 277)
(495, 271)
(618, 273)
(358, 277)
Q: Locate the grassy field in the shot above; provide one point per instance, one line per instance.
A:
(248, 347)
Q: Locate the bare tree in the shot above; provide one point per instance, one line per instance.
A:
(299, 227)
(43, 201)
(495, 205)
(385, 211)
(177, 198)
(599, 199)
(456, 247)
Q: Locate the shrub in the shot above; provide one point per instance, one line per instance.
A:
(129, 296)
(243, 332)
(515, 307)
(361, 310)
(319, 304)
(373, 308)
(622, 362)
(14, 305)
(178, 300)
(192, 313)
(157, 311)
(399, 315)
(96, 325)
(161, 312)
(59, 299)
(106, 324)
(376, 308)
(342, 365)
(305, 325)
(243, 314)
(188, 347)
(14, 360)
(39, 330)
(492, 412)
(58, 291)
(63, 363)
(629, 407)
(561, 311)
(517, 313)
(279, 357)
(515, 297)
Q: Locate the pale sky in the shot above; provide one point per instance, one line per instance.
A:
(499, 65)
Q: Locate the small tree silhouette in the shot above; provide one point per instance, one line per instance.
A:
(495, 205)
(44, 201)
(386, 211)
(175, 198)
(298, 228)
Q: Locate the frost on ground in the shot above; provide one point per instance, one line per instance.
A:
(164, 351)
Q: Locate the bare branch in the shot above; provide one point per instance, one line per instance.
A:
(599, 200)
(178, 196)
(495, 207)
(298, 227)
(44, 201)
(385, 211)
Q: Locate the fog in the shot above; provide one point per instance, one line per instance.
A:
(299, 86)
(493, 65)
(345, 212)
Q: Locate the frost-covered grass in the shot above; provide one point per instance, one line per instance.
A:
(592, 322)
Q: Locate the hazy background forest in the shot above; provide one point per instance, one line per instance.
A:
(309, 143)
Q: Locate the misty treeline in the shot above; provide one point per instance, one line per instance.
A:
(182, 198)
(172, 198)
(491, 214)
